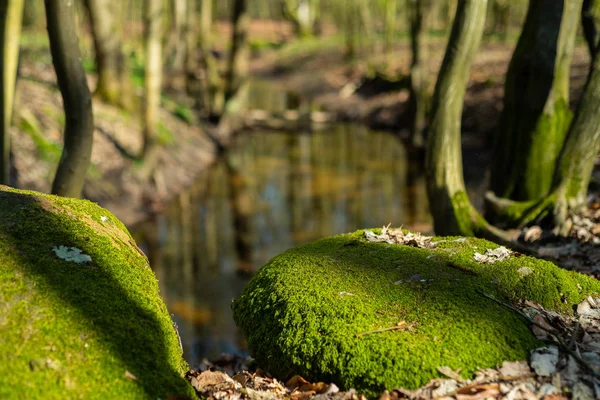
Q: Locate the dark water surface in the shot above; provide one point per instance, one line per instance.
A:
(271, 192)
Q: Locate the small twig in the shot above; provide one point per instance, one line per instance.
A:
(400, 326)
(557, 340)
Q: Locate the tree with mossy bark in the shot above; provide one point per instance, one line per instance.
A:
(77, 99)
(452, 211)
(590, 17)
(453, 214)
(10, 30)
(113, 85)
(536, 116)
(573, 170)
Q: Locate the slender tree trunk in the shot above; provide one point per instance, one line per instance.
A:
(11, 12)
(589, 20)
(32, 14)
(176, 47)
(579, 153)
(237, 66)
(418, 74)
(153, 80)
(452, 211)
(113, 78)
(77, 100)
(536, 112)
(191, 52)
(213, 92)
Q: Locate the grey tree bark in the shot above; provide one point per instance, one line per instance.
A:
(77, 100)
(113, 85)
(453, 214)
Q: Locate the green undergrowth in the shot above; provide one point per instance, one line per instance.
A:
(302, 312)
(97, 329)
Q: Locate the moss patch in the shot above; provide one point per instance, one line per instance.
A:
(302, 312)
(71, 330)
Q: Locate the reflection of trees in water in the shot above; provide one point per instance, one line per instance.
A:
(271, 192)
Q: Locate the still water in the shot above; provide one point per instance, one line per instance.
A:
(272, 191)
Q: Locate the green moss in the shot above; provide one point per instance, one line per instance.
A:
(165, 135)
(72, 331)
(302, 311)
(47, 150)
(543, 150)
(467, 220)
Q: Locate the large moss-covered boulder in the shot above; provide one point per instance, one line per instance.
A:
(376, 316)
(80, 312)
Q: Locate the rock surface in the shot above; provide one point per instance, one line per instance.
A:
(368, 313)
(80, 312)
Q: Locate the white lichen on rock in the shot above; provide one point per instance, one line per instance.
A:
(71, 254)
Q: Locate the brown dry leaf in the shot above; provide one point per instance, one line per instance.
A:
(515, 369)
(130, 375)
(209, 383)
(542, 331)
(533, 234)
(397, 236)
(483, 391)
(295, 382)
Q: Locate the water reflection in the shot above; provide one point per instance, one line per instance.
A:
(272, 191)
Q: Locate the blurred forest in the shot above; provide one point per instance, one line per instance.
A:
(223, 132)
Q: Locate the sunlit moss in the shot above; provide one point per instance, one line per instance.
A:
(72, 330)
(302, 312)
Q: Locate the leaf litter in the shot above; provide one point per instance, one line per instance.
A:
(568, 366)
(398, 236)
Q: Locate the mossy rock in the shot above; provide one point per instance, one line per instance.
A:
(302, 312)
(71, 327)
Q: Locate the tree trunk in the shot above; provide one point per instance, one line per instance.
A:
(452, 211)
(237, 66)
(32, 14)
(579, 153)
(176, 48)
(153, 81)
(191, 52)
(536, 113)
(417, 102)
(77, 100)
(11, 12)
(302, 14)
(113, 79)
(213, 91)
(589, 20)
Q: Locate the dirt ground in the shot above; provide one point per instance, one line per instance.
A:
(113, 179)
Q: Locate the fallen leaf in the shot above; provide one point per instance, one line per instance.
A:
(544, 360)
(514, 369)
(491, 256)
(130, 375)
